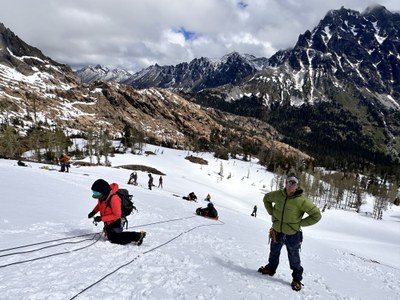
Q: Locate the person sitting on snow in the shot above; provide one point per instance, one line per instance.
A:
(21, 164)
(133, 177)
(208, 211)
(191, 197)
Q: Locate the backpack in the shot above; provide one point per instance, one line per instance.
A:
(126, 205)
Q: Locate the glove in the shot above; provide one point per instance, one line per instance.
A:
(91, 214)
(97, 219)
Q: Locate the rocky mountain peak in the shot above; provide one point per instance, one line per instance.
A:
(90, 74)
(348, 65)
(198, 74)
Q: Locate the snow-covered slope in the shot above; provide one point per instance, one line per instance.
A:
(184, 256)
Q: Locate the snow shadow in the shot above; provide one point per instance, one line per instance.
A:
(245, 271)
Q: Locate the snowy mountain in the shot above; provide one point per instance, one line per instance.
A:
(49, 249)
(339, 86)
(341, 75)
(90, 74)
(347, 47)
(200, 73)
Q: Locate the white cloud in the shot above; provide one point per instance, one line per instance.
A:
(175, 38)
(129, 34)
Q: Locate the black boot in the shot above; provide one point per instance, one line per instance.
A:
(266, 270)
(296, 285)
(142, 236)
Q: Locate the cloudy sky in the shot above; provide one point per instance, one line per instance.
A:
(134, 34)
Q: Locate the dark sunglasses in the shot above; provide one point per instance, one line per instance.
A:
(291, 182)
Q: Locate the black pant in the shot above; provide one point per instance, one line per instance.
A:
(293, 244)
(116, 236)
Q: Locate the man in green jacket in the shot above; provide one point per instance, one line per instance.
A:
(287, 208)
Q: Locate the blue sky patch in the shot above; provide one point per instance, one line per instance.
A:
(242, 4)
(189, 35)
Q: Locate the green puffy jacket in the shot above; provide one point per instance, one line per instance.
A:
(287, 212)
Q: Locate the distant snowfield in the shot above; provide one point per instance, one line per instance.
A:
(184, 256)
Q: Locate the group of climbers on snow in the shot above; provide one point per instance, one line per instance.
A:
(110, 206)
(286, 207)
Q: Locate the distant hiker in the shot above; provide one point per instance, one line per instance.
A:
(150, 181)
(191, 197)
(62, 164)
(287, 207)
(160, 182)
(254, 213)
(208, 211)
(109, 206)
(208, 198)
(21, 164)
(65, 163)
(133, 178)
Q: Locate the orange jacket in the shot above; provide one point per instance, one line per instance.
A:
(65, 159)
(110, 209)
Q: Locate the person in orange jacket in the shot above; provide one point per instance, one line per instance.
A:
(65, 163)
(109, 206)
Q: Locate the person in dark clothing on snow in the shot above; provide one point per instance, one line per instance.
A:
(109, 206)
(21, 163)
(208, 211)
(133, 177)
(150, 181)
(287, 208)
(160, 182)
(254, 213)
(191, 197)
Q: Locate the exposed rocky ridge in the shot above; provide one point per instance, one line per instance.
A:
(200, 73)
(361, 48)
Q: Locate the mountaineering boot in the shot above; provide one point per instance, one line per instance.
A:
(266, 270)
(296, 285)
(142, 236)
